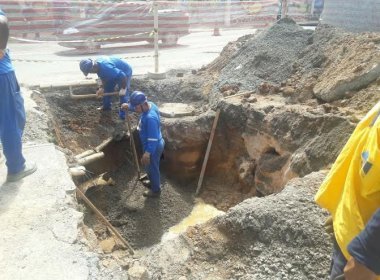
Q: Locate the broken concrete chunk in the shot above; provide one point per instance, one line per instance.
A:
(138, 272)
(176, 110)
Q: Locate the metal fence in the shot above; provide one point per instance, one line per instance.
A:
(92, 23)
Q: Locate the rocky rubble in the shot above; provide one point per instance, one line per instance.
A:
(276, 237)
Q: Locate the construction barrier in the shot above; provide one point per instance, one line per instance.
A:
(89, 24)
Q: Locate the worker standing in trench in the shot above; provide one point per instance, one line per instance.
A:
(12, 112)
(351, 193)
(149, 128)
(111, 71)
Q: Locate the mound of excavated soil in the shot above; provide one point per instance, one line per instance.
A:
(269, 57)
(275, 237)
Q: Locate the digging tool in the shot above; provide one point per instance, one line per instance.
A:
(85, 96)
(340, 277)
(141, 177)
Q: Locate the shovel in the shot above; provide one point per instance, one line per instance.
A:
(85, 96)
(141, 177)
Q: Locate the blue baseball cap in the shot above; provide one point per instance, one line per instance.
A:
(86, 65)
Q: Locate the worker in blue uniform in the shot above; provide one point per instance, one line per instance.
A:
(351, 193)
(112, 72)
(12, 112)
(151, 138)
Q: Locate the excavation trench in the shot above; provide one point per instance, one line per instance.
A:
(111, 183)
(253, 154)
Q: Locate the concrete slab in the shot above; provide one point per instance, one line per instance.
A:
(176, 110)
(38, 224)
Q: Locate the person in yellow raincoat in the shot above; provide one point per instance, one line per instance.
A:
(351, 193)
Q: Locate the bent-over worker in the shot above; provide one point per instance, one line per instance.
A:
(111, 71)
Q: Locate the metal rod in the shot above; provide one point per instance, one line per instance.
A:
(155, 14)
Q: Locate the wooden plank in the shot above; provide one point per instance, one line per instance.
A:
(100, 215)
(208, 151)
(91, 95)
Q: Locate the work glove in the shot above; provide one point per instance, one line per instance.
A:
(122, 91)
(100, 93)
(329, 226)
(124, 106)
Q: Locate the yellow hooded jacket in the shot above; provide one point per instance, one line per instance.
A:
(351, 190)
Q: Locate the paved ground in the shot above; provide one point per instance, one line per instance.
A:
(48, 63)
(38, 224)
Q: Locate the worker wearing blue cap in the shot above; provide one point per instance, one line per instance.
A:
(12, 112)
(112, 71)
(151, 138)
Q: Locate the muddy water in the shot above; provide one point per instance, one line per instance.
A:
(201, 213)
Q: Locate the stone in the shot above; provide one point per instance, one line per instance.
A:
(138, 272)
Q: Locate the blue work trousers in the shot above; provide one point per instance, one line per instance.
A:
(338, 262)
(110, 87)
(12, 122)
(153, 169)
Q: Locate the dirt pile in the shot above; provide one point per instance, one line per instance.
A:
(276, 237)
(326, 65)
(268, 57)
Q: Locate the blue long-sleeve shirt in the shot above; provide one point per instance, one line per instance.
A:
(365, 248)
(113, 70)
(150, 129)
(6, 64)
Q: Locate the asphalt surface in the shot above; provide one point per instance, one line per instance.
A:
(44, 63)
